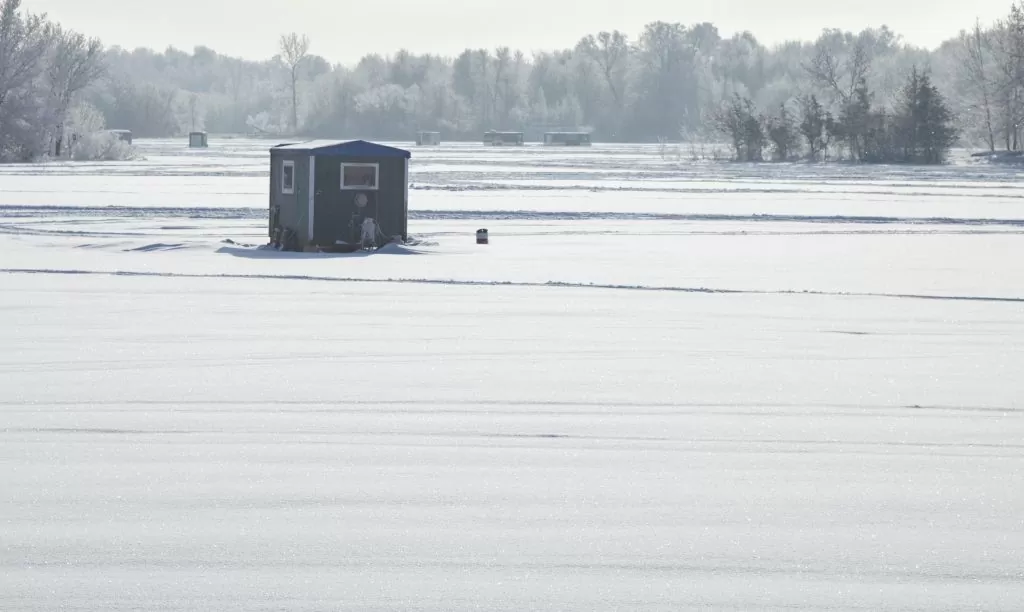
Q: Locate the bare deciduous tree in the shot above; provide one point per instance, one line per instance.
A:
(294, 50)
(1008, 44)
(193, 110)
(24, 41)
(75, 63)
(502, 65)
(840, 73)
(975, 49)
(611, 51)
(236, 77)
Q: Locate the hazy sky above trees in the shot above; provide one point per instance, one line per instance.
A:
(345, 30)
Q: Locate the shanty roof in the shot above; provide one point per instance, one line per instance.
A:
(344, 148)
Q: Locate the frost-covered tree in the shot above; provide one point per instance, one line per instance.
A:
(74, 63)
(666, 82)
(739, 121)
(923, 124)
(839, 65)
(24, 42)
(813, 126)
(665, 76)
(975, 61)
(784, 134)
(855, 121)
(294, 51)
(43, 70)
(1007, 38)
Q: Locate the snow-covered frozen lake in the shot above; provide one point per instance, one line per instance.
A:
(664, 385)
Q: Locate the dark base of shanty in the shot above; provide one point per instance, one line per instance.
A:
(331, 249)
(287, 241)
(337, 248)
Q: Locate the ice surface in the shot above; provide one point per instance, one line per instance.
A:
(684, 399)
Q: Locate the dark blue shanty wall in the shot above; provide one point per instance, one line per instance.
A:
(335, 215)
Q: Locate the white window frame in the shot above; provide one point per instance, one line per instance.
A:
(287, 163)
(376, 174)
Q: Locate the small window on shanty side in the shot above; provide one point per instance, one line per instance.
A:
(359, 176)
(287, 176)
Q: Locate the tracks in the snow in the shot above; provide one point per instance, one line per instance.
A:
(497, 283)
(35, 214)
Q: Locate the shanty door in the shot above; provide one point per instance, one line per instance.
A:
(340, 215)
(364, 206)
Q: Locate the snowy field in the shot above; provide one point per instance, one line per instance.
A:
(665, 385)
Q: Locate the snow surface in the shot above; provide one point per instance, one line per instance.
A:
(664, 385)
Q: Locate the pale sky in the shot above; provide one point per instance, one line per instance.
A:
(345, 30)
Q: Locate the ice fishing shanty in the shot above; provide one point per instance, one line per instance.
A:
(567, 139)
(322, 192)
(497, 139)
(428, 139)
(198, 140)
(122, 135)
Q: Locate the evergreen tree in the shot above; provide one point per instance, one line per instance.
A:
(745, 128)
(730, 121)
(783, 133)
(813, 125)
(833, 133)
(923, 127)
(855, 119)
(753, 134)
(907, 122)
(879, 142)
(936, 133)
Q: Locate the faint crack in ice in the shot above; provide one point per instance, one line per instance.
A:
(496, 283)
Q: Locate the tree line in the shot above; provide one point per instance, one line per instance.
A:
(863, 96)
(918, 127)
(44, 70)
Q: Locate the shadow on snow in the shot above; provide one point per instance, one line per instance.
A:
(270, 253)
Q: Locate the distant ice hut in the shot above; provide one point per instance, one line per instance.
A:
(428, 139)
(567, 139)
(498, 139)
(122, 135)
(198, 140)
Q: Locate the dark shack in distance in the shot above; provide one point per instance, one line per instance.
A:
(498, 139)
(567, 139)
(122, 135)
(323, 191)
(428, 139)
(198, 140)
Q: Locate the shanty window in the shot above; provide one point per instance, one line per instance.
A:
(359, 176)
(287, 177)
